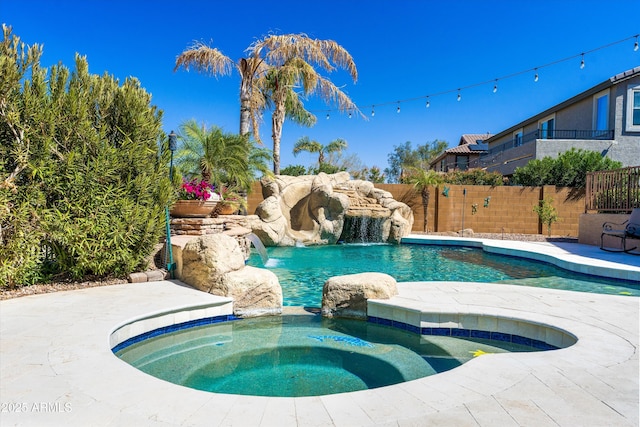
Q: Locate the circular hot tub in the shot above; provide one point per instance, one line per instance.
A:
(302, 355)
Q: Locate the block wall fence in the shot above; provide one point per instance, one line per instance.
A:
(507, 210)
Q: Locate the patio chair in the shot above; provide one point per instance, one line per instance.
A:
(629, 229)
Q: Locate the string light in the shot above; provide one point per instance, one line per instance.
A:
(536, 76)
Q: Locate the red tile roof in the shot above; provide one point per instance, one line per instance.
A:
(471, 138)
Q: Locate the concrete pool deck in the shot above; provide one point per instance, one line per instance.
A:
(57, 368)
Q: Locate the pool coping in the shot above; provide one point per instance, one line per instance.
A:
(55, 359)
(575, 257)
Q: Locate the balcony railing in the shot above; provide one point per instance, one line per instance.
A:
(616, 191)
(551, 134)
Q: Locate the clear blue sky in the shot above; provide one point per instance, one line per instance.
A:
(403, 50)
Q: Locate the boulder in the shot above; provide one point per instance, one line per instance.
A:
(346, 296)
(205, 259)
(215, 264)
(255, 292)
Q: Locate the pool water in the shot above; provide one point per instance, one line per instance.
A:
(302, 271)
(301, 355)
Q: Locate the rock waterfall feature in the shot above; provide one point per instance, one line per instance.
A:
(324, 209)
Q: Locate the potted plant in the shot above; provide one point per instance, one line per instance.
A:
(196, 199)
(230, 201)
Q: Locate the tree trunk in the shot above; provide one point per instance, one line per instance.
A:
(277, 120)
(426, 195)
(247, 71)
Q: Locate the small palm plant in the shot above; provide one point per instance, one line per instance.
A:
(423, 180)
(547, 213)
(227, 161)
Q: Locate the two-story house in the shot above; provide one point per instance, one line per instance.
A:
(465, 156)
(605, 118)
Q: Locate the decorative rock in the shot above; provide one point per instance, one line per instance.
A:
(206, 259)
(255, 292)
(346, 296)
(215, 264)
(312, 208)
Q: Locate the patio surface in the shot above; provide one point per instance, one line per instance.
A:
(57, 368)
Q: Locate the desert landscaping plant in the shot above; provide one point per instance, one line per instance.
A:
(547, 213)
(82, 183)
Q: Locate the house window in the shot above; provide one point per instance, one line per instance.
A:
(462, 162)
(517, 138)
(601, 111)
(633, 108)
(547, 127)
(442, 166)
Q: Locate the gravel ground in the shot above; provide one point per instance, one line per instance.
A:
(70, 285)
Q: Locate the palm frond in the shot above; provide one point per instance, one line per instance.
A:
(204, 58)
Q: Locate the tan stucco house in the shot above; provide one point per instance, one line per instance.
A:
(605, 118)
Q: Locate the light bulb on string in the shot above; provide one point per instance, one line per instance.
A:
(398, 109)
(459, 96)
(428, 103)
(373, 111)
(349, 114)
(535, 78)
(495, 86)
(635, 45)
(582, 62)
(327, 116)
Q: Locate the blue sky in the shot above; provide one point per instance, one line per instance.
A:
(404, 50)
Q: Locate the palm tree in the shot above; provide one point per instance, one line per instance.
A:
(281, 62)
(423, 180)
(306, 144)
(223, 159)
(291, 58)
(210, 60)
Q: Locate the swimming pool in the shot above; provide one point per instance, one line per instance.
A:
(302, 271)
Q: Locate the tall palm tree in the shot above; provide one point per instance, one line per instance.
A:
(292, 55)
(292, 58)
(306, 144)
(210, 60)
(423, 180)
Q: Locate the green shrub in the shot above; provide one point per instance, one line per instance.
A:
(569, 169)
(294, 170)
(82, 187)
(473, 177)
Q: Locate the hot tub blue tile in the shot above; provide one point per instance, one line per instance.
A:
(480, 334)
(457, 332)
(499, 336)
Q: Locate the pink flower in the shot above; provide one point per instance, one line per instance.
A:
(195, 190)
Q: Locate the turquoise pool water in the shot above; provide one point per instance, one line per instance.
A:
(301, 355)
(302, 271)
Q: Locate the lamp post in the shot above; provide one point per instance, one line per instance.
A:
(170, 265)
(173, 145)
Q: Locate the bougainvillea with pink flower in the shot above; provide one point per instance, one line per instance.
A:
(196, 190)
